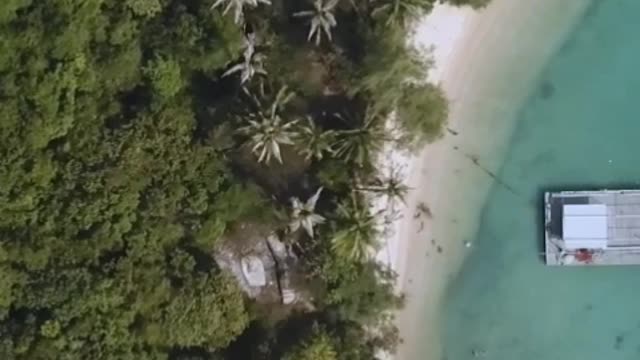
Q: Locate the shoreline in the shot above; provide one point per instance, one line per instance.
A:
(443, 20)
(486, 74)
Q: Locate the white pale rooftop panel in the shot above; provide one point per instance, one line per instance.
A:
(585, 226)
(585, 210)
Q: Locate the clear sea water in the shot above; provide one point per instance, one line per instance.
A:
(579, 129)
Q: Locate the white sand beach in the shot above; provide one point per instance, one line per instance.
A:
(486, 62)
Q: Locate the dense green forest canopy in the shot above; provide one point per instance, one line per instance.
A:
(134, 134)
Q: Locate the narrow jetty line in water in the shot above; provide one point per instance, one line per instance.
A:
(492, 175)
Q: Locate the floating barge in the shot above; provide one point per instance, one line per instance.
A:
(592, 227)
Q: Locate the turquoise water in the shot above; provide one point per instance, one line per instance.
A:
(580, 128)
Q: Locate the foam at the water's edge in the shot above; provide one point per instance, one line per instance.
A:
(495, 69)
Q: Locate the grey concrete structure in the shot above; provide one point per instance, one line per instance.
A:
(592, 227)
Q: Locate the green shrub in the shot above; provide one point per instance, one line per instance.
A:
(421, 112)
(165, 77)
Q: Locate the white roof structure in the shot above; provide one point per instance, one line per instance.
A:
(253, 271)
(585, 226)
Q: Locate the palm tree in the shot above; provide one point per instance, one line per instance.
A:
(390, 186)
(322, 19)
(357, 237)
(313, 142)
(248, 68)
(238, 6)
(252, 64)
(303, 214)
(399, 12)
(358, 144)
(267, 130)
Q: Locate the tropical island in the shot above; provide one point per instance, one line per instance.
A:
(155, 153)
